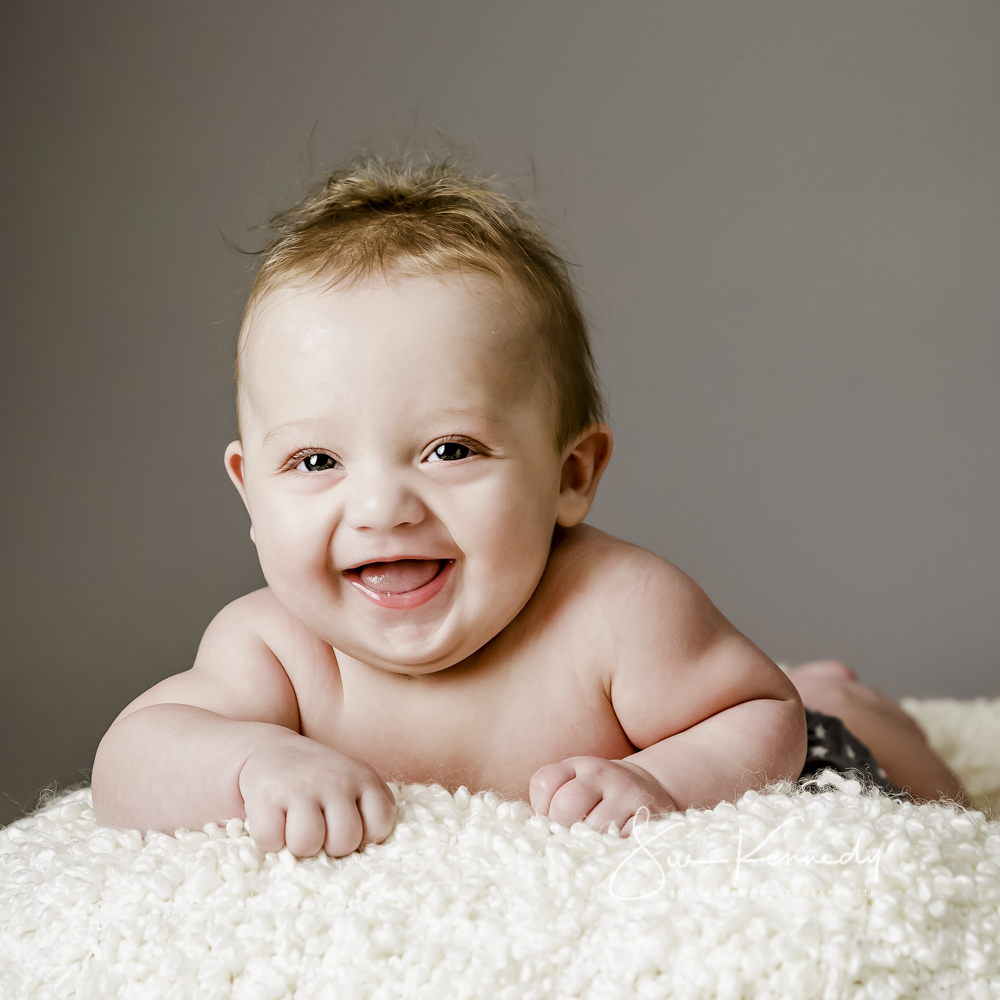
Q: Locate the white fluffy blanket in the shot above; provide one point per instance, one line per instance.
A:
(784, 894)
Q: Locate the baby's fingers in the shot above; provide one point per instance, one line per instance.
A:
(305, 829)
(267, 827)
(624, 808)
(640, 817)
(344, 828)
(574, 801)
(609, 811)
(378, 814)
(545, 782)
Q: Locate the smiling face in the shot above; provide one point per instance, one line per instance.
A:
(399, 464)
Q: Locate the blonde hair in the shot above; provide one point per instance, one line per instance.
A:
(375, 216)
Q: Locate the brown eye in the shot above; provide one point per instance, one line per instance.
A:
(317, 463)
(450, 451)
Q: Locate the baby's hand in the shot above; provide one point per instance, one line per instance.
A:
(597, 791)
(306, 796)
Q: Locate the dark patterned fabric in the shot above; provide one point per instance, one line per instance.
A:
(833, 745)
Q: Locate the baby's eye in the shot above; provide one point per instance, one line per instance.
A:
(450, 451)
(316, 463)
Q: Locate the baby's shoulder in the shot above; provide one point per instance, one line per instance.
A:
(254, 613)
(627, 600)
(259, 620)
(599, 567)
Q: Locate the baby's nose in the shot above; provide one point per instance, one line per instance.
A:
(380, 500)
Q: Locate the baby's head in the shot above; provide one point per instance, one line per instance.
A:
(418, 411)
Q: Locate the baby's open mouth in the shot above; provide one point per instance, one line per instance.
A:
(399, 577)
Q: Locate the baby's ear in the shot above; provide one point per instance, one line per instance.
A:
(234, 466)
(584, 463)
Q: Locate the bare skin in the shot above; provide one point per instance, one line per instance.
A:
(436, 609)
(528, 715)
(893, 736)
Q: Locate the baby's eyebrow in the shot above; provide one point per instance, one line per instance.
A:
(474, 412)
(282, 428)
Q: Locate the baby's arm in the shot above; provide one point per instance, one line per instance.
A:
(711, 714)
(221, 740)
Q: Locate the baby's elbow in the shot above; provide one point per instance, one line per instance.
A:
(789, 740)
(109, 776)
(102, 785)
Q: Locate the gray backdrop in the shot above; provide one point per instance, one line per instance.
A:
(786, 217)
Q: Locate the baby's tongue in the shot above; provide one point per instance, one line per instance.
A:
(399, 577)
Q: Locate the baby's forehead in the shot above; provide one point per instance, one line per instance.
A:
(469, 305)
(468, 329)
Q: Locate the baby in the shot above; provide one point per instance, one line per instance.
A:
(421, 438)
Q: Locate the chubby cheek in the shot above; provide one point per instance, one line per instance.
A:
(293, 547)
(506, 543)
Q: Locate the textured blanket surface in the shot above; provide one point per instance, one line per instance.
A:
(782, 894)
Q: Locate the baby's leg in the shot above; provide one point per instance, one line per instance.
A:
(895, 738)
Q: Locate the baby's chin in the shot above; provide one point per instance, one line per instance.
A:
(440, 633)
(419, 648)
